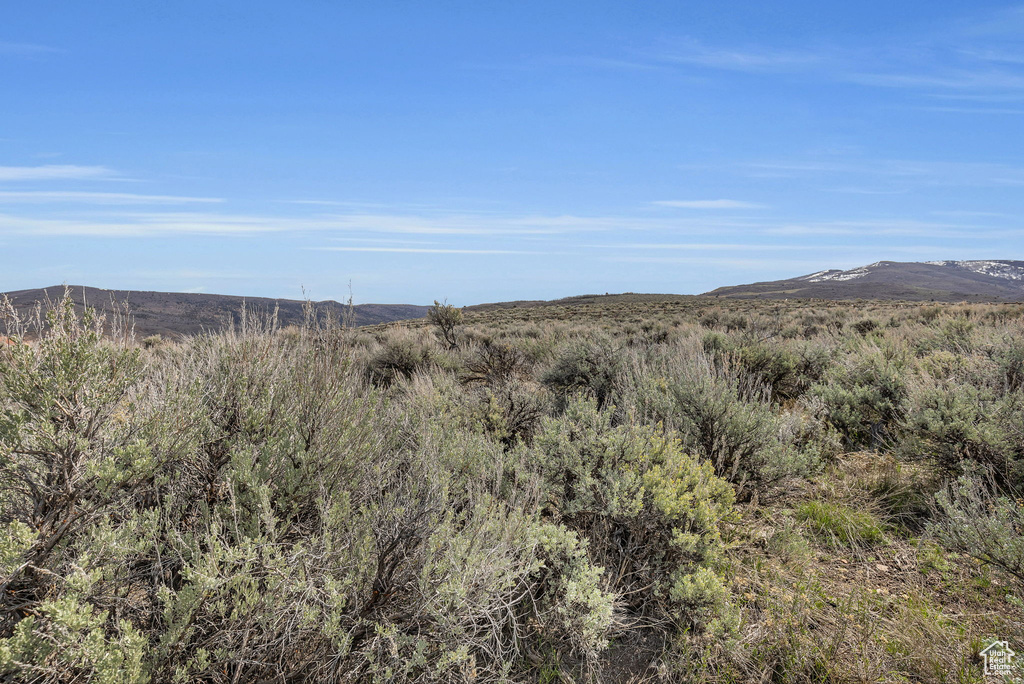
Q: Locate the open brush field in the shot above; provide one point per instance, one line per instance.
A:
(617, 490)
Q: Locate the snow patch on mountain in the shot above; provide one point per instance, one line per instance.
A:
(837, 275)
(1006, 270)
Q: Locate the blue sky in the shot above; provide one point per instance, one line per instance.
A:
(481, 151)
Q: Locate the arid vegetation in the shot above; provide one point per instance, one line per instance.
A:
(635, 491)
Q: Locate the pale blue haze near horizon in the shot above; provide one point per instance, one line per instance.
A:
(479, 151)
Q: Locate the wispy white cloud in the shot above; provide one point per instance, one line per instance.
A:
(996, 56)
(25, 49)
(190, 273)
(794, 265)
(842, 257)
(384, 241)
(1005, 22)
(140, 225)
(854, 190)
(322, 203)
(972, 213)
(109, 198)
(980, 60)
(55, 172)
(612, 63)
(896, 228)
(787, 168)
(869, 250)
(945, 79)
(974, 110)
(706, 246)
(709, 204)
(422, 250)
(452, 233)
(474, 224)
(1005, 98)
(155, 223)
(902, 171)
(749, 59)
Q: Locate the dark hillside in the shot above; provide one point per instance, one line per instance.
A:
(945, 281)
(184, 313)
(580, 300)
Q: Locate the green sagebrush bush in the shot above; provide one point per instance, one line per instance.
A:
(865, 326)
(651, 514)
(977, 519)
(399, 357)
(865, 395)
(593, 366)
(511, 413)
(954, 334)
(1009, 357)
(788, 369)
(342, 506)
(70, 459)
(951, 423)
(67, 639)
(494, 364)
(509, 404)
(246, 509)
(721, 414)
(964, 410)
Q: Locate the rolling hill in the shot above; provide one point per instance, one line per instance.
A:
(580, 300)
(989, 280)
(182, 313)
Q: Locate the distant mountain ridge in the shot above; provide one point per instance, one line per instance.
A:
(181, 313)
(973, 280)
(580, 300)
(184, 313)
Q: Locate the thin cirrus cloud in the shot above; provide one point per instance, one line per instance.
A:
(996, 56)
(931, 173)
(383, 241)
(727, 262)
(112, 198)
(896, 228)
(709, 204)
(755, 60)
(471, 224)
(143, 225)
(395, 232)
(55, 172)
(978, 61)
(975, 110)
(422, 250)
(705, 246)
(157, 223)
(190, 273)
(955, 79)
(25, 49)
(525, 226)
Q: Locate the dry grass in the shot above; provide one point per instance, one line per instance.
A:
(888, 607)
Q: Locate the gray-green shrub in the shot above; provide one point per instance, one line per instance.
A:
(246, 509)
(865, 395)
(978, 520)
(652, 515)
(721, 414)
(593, 366)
